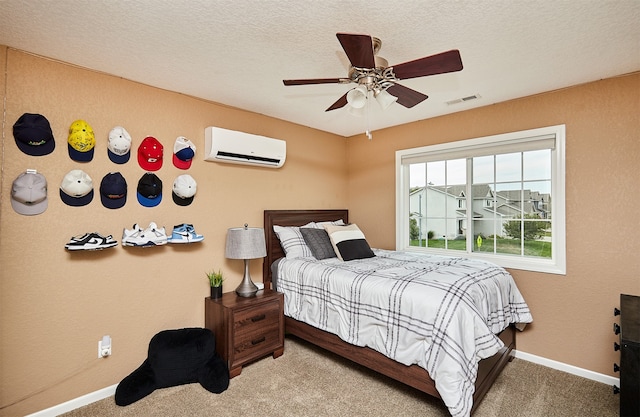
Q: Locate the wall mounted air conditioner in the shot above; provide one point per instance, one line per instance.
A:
(223, 145)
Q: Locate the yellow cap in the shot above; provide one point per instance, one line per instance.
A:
(81, 141)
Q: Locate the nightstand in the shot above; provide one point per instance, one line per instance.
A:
(246, 328)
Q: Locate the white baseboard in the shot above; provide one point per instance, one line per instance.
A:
(570, 369)
(549, 363)
(76, 402)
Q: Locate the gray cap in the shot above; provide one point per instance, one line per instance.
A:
(29, 193)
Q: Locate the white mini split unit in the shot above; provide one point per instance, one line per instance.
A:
(222, 145)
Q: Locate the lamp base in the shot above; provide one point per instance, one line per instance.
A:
(246, 288)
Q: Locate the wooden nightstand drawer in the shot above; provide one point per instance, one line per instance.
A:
(251, 320)
(246, 329)
(258, 344)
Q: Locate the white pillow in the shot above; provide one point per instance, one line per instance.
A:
(321, 225)
(292, 241)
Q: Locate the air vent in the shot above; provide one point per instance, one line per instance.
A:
(463, 99)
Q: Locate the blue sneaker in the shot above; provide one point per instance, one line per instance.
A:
(185, 233)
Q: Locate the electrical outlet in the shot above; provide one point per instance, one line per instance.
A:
(104, 347)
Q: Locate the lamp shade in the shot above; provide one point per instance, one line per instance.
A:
(245, 243)
(357, 97)
(385, 99)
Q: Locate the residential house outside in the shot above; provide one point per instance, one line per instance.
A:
(442, 210)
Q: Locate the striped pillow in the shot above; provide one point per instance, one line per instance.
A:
(349, 242)
(292, 241)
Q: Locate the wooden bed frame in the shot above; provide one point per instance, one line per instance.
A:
(414, 376)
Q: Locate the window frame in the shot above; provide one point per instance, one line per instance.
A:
(514, 141)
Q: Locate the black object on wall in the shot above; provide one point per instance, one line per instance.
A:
(629, 346)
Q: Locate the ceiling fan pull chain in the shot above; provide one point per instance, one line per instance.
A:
(368, 131)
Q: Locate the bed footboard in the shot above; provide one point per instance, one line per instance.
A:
(414, 376)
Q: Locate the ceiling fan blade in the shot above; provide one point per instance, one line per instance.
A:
(359, 49)
(444, 62)
(316, 81)
(341, 102)
(406, 96)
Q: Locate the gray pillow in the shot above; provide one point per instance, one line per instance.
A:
(319, 243)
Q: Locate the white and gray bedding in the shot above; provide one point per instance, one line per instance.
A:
(441, 313)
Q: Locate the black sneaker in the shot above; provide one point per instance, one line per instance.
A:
(90, 241)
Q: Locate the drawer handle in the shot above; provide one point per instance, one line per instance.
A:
(258, 318)
(257, 341)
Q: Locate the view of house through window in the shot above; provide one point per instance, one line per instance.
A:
(508, 198)
(491, 196)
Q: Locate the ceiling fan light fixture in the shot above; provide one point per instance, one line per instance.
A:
(385, 99)
(357, 112)
(357, 97)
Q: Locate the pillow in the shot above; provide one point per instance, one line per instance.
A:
(349, 242)
(319, 243)
(321, 225)
(176, 357)
(292, 241)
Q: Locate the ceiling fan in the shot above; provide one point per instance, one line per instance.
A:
(373, 73)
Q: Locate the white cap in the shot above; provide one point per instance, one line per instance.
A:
(184, 189)
(119, 145)
(76, 188)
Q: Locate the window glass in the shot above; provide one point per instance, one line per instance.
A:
(497, 202)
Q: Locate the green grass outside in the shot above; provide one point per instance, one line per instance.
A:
(503, 246)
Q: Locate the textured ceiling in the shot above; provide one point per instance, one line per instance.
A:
(238, 52)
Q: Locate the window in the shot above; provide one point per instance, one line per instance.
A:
(500, 198)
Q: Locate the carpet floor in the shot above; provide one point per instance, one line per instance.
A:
(310, 382)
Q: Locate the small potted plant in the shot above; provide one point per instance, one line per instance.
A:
(215, 282)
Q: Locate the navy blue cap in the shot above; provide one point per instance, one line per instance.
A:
(113, 190)
(33, 135)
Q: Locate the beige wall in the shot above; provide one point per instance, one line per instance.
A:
(55, 306)
(573, 314)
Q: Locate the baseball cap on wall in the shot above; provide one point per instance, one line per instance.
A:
(113, 190)
(119, 145)
(184, 189)
(81, 141)
(149, 190)
(76, 188)
(33, 135)
(150, 154)
(183, 152)
(29, 193)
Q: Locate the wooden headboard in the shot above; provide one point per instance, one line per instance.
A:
(289, 218)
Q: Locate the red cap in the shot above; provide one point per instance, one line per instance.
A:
(150, 154)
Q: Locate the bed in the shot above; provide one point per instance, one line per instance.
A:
(413, 375)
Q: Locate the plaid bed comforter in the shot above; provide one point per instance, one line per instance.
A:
(441, 313)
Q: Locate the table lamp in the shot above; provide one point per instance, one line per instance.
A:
(246, 243)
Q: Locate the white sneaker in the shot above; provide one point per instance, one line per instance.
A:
(158, 235)
(128, 236)
(90, 241)
(151, 236)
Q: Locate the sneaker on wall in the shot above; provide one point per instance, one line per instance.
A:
(151, 236)
(185, 233)
(128, 234)
(90, 241)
